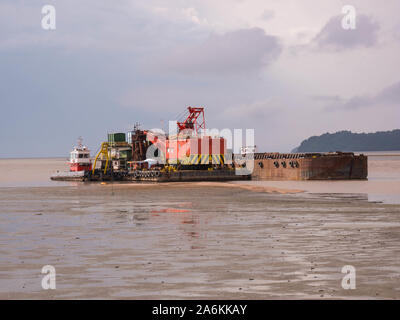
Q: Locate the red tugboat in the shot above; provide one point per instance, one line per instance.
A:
(80, 158)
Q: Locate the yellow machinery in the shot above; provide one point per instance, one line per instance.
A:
(105, 152)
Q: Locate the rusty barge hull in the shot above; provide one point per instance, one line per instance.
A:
(310, 166)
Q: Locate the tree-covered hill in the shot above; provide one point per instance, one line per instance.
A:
(348, 141)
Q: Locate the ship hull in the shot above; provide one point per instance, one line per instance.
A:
(316, 166)
(74, 167)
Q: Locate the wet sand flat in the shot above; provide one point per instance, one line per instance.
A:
(196, 242)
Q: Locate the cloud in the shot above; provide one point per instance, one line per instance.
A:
(237, 52)
(254, 111)
(115, 63)
(388, 96)
(327, 98)
(267, 15)
(124, 27)
(333, 36)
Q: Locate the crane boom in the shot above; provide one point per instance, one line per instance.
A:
(195, 120)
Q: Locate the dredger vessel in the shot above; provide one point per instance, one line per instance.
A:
(192, 155)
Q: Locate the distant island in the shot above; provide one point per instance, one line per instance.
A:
(349, 141)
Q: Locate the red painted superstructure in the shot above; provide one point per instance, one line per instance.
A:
(184, 150)
(190, 146)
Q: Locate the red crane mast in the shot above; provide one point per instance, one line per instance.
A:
(195, 120)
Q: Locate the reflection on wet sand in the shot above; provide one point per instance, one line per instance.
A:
(200, 240)
(126, 243)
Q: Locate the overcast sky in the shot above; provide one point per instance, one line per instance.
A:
(286, 68)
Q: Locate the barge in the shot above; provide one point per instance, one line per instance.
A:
(310, 166)
(192, 155)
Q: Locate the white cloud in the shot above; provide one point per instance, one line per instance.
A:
(267, 15)
(389, 96)
(334, 36)
(241, 51)
(149, 60)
